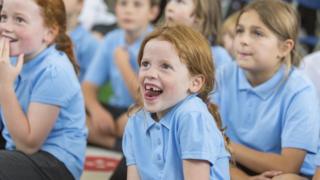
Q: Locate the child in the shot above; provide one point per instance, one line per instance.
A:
(203, 15)
(317, 163)
(115, 63)
(227, 33)
(269, 108)
(173, 134)
(42, 107)
(85, 45)
(311, 66)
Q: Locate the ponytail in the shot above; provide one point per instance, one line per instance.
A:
(64, 43)
(213, 109)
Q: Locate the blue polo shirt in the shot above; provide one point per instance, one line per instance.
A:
(103, 68)
(187, 131)
(85, 46)
(49, 78)
(220, 56)
(279, 113)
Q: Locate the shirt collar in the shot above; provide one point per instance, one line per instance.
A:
(150, 122)
(166, 119)
(265, 89)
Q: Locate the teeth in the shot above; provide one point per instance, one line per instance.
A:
(152, 88)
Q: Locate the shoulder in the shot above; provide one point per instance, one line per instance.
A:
(191, 109)
(297, 81)
(136, 118)
(114, 34)
(227, 72)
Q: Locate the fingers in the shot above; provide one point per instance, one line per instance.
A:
(6, 49)
(2, 44)
(20, 62)
(271, 174)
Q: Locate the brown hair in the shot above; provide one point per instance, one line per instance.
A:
(282, 19)
(193, 50)
(208, 17)
(54, 15)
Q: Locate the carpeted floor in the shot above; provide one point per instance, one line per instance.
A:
(100, 163)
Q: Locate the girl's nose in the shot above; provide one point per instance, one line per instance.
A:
(151, 73)
(244, 40)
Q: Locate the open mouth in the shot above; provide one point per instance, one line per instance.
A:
(11, 39)
(152, 91)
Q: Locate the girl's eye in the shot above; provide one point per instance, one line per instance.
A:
(239, 30)
(137, 4)
(258, 33)
(166, 66)
(123, 3)
(19, 20)
(3, 18)
(145, 64)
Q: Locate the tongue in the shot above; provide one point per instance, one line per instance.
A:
(153, 93)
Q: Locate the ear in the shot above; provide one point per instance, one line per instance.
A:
(50, 34)
(154, 12)
(196, 83)
(286, 47)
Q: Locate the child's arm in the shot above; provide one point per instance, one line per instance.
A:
(289, 161)
(317, 174)
(28, 132)
(237, 174)
(133, 173)
(99, 116)
(196, 169)
(122, 61)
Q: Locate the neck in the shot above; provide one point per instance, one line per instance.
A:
(72, 22)
(259, 77)
(29, 57)
(132, 36)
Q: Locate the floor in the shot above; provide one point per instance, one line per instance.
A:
(100, 163)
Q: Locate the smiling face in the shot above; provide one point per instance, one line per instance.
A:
(163, 78)
(256, 47)
(22, 23)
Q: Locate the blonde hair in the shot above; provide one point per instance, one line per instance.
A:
(282, 19)
(193, 50)
(208, 17)
(228, 27)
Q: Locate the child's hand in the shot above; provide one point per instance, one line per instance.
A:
(266, 175)
(8, 72)
(121, 56)
(103, 121)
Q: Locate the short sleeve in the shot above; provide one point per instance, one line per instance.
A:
(199, 137)
(302, 121)
(55, 85)
(127, 141)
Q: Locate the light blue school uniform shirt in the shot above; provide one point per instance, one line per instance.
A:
(49, 78)
(274, 115)
(85, 47)
(317, 159)
(103, 68)
(187, 131)
(220, 56)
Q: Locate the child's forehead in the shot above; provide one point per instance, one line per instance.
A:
(22, 7)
